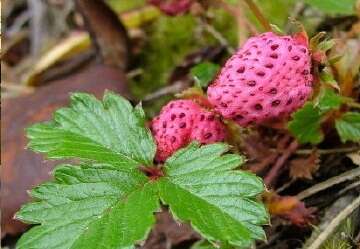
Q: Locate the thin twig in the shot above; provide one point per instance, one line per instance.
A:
(255, 9)
(174, 88)
(242, 23)
(38, 10)
(285, 186)
(349, 187)
(353, 104)
(17, 88)
(323, 236)
(348, 175)
(19, 22)
(327, 151)
(218, 36)
(264, 164)
(273, 173)
(133, 73)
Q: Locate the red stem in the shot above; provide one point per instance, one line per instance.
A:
(275, 170)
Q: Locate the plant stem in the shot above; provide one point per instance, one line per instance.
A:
(255, 9)
(353, 104)
(346, 176)
(275, 170)
(218, 36)
(327, 151)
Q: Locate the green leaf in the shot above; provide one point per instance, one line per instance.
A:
(91, 206)
(327, 78)
(276, 29)
(345, 7)
(111, 131)
(201, 187)
(305, 125)
(348, 127)
(326, 45)
(329, 100)
(203, 73)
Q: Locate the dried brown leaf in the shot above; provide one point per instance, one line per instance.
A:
(289, 208)
(304, 167)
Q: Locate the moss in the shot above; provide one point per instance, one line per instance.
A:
(169, 39)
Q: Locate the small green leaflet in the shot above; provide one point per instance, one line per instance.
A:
(90, 206)
(201, 187)
(276, 29)
(329, 100)
(203, 73)
(111, 132)
(326, 45)
(305, 125)
(106, 202)
(327, 77)
(348, 127)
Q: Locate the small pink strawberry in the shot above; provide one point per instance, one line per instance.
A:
(172, 7)
(208, 129)
(268, 78)
(179, 123)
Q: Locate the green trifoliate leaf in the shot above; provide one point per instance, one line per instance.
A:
(111, 131)
(348, 127)
(201, 187)
(203, 73)
(305, 125)
(329, 100)
(92, 207)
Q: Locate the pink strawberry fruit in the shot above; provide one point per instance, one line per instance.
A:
(267, 79)
(182, 121)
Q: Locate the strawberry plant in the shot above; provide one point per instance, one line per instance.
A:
(254, 131)
(107, 196)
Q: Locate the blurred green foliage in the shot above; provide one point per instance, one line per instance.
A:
(203, 73)
(341, 238)
(344, 7)
(168, 40)
(276, 11)
(120, 6)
